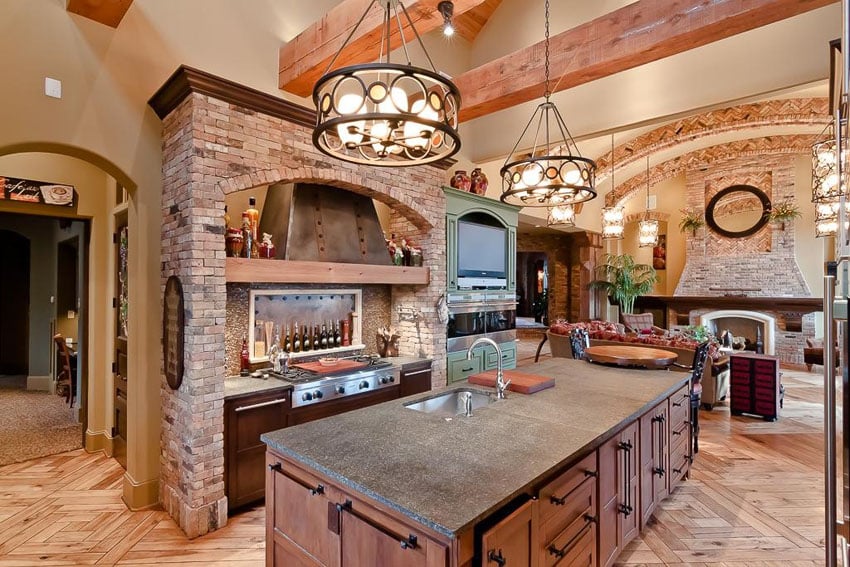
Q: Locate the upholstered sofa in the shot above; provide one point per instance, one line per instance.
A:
(813, 353)
(715, 378)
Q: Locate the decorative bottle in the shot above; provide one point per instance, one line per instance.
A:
(460, 180)
(247, 236)
(323, 337)
(287, 341)
(337, 338)
(296, 338)
(317, 339)
(479, 182)
(254, 215)
(244, 358)
(306, 341)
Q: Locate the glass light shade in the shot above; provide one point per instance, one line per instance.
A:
(613, 222)
(350, 105)
(562, 215)
(826, 218)
(647, 233)
(825, 185)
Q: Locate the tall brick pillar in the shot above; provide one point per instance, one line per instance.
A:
(192, 440)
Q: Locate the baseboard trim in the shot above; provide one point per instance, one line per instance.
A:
(99, 441)
(140, 495)
(41, 383)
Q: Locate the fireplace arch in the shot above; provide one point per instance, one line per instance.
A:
(767, 324)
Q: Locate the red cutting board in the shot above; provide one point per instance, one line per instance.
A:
(322, 369)
(521, 383)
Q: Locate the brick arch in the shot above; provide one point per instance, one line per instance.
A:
(392, 197)
(794, 112)
(771, 145)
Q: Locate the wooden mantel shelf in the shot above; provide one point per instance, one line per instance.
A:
(244, 270)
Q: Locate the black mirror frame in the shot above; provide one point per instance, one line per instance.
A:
(763, 220)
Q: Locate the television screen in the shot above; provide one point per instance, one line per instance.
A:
(480, 250)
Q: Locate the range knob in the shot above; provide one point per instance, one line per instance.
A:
(306, 396)
(340, 389)
(384, 380)
(392, 379)
(363, 385)
(317, 394)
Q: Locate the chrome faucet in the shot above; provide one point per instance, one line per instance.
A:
(501, 385)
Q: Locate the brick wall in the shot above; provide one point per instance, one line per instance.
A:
(763, 264)
(212, 148)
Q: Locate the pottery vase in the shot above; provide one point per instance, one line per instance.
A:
(460, 180)
(479, 182)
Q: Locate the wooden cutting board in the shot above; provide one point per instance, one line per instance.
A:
(342, 365)
(521, 383)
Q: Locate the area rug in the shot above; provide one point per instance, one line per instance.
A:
(35, 424)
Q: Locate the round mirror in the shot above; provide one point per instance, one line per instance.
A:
(738, 211)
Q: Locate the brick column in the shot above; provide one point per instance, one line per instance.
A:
(192, 440)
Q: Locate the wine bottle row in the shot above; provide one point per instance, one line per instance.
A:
(306, 338)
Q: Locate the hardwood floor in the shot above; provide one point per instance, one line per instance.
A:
(755, 499)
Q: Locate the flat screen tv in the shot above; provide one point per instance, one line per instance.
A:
(481, 257)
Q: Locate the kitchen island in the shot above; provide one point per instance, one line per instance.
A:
(566, 474)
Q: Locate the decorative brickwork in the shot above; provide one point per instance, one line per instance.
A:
(707, 157)
(802, 112)
(212, 148)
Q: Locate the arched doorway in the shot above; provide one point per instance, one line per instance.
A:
(14, 304)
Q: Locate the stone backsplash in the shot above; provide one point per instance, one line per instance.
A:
(376, 314)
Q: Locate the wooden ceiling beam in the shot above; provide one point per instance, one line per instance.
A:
(304, 59)
(639, 33)
(108, 12)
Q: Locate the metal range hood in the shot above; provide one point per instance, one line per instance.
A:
(320, 223)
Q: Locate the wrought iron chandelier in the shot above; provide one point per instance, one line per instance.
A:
(647, 228)
(613, 218)
(554, 173)
(386, 114)
(561, 215)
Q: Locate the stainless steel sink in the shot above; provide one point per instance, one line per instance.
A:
(452, 403)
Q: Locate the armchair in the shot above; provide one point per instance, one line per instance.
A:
(813, 353)
(642, 324)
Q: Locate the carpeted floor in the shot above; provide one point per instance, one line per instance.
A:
(35, 424)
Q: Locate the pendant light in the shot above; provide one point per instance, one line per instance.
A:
(825, 185)
(561, 215)
(647, 228)
(386, 114)
(613, 218)
(554, 173)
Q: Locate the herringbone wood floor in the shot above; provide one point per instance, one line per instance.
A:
(755, 499)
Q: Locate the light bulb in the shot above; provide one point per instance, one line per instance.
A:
(413, 131)
(532, 175)
(448, 30)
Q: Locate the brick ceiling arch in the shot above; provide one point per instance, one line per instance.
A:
(705, 157)
(793, 112)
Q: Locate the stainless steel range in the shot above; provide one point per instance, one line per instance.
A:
(310, 388)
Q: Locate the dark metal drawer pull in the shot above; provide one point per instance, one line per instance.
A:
(496, 558)
(409, 542)
(590, 473)
(677, 404)
(470, 369)
(589, 521)
(319, 489)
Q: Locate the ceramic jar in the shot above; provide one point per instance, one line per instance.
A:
(479, 182)
(461, 180)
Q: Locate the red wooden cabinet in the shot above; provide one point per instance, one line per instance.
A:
(755, 386)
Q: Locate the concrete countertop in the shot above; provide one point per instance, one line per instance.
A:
(450, 474)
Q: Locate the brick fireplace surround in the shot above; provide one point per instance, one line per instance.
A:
(220, 137)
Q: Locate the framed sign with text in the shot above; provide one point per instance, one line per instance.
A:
(172, 332)
(38, 192)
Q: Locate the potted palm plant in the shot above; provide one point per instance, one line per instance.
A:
(623, 280)
(784, 211)
(691, 220)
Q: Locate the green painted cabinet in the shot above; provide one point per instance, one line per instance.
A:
(460, 204)
(484, 358)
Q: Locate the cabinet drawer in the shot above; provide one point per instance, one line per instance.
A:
(679, 434)
(561, 488)
(679, 463)
(508, 356)
(574, 546)
(579, 506)
(463, 369)
(679, 404)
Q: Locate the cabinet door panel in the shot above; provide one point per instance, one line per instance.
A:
(629, 522)
(366, 541)
(513, 540)
(287, 554)
(301, 514)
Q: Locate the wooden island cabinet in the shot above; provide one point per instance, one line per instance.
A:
(580, 513)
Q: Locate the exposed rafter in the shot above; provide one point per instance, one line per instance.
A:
(470, 24)
(639, 33)
(305, 58)
(108, 12)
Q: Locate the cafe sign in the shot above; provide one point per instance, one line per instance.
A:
(37, 192)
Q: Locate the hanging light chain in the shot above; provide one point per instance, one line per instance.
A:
(547, 93)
